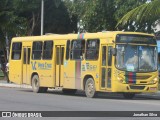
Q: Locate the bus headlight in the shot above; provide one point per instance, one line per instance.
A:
(120, 79)
(154, 81)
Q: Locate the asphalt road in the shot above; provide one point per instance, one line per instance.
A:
(20, 99)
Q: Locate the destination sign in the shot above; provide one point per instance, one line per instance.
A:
(139, 39)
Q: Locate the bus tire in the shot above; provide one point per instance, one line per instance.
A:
(128, 95)
(90, 89)
(69, 91)
(36, 85)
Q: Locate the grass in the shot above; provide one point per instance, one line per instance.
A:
(1, 75)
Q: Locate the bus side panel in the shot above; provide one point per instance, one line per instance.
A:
(46, 74)
(15, 71)
(15, 63)
(90, 68)
(44, 69)
(69, 74)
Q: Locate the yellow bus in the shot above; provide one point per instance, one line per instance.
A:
(111, 61)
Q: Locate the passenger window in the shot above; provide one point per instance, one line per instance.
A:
(16, 51)
(67, 49)
(109, 56)
(92, 49)
(47, 50)
(37, 50)
(77, 49)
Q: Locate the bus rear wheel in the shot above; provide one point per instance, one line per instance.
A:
(36, 85)
(90, 89)
(128, 95)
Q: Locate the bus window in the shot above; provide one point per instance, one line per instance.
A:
(37, 50)
(60, 55)
(104, 56)
(109, 56)
(47, 49)
(67, 49)
(26, 57)
(16, 50)
(77, 49)
(25, 53)
(92, 49)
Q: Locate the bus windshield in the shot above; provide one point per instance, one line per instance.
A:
(136, 58)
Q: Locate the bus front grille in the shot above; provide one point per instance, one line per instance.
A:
(137, 77)
(137, 87)
(142, 77)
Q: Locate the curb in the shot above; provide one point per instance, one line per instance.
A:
(14, 85)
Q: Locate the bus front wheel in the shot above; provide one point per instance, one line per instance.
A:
(128, 95)
(90, 89)
(36, 85)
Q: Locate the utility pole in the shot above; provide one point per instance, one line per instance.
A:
(42, 16)
(7, 47)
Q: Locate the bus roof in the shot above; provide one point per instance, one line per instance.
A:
(104, 34)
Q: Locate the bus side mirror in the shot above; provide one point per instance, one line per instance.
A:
(114, 51)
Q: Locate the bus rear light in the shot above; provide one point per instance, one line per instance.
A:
(127, 88)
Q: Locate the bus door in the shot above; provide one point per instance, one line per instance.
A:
(106, 67)
(59, 65)
(26, 64)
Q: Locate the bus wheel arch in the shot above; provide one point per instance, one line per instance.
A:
(35, 82)
(85, 79)
(89, 86)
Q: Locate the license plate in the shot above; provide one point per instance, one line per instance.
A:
(153, 88)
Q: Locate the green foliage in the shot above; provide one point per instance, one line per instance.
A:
(123, 6)
(10, 22)
(56, 18)
(143, 16)
(26, 16)
(76, 10)
(100, 15)
(29, 10)
(22, 17)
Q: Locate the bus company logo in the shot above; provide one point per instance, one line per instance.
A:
(41, 66)
(44, 66)
(6, 114)
(89, 67)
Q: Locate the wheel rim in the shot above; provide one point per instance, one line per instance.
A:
(35, 85)
(90, 88)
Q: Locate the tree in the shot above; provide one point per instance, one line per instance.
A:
(56, 18)
(76, 10)
(9, 25)
(98, 15)
(29, 10)
(142, 17)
